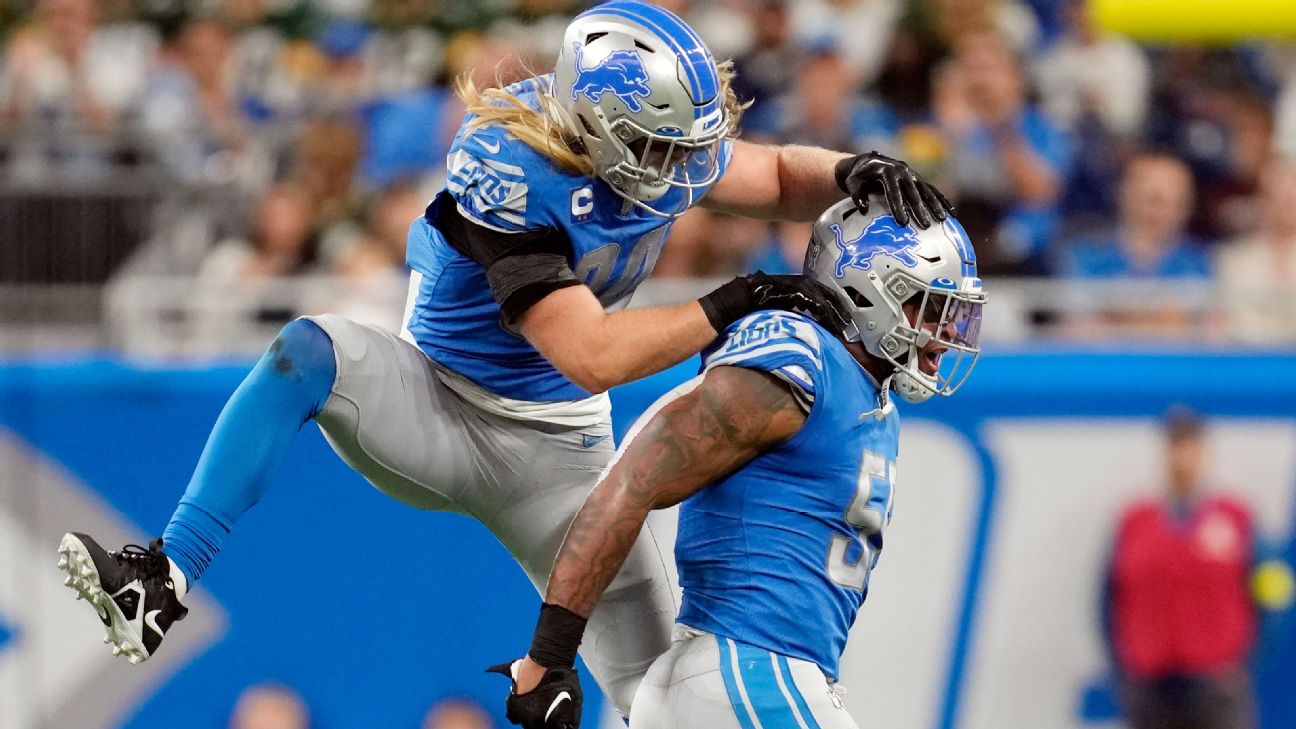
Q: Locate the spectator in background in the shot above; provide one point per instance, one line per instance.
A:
(1149, 242)
(240, 283)
(67, 82)
(1231, 201)
(1090, 73)
(64, 68)
(1178, 611)
(1007, 160)
(342, 85)
(785, 249)
(404, 55)
(408, 135)
(491, 61)
(1285, 106)
(690, 252)
(767, 69)
(269, 706)
(1011, 22)
(905, 93)
(707, 243)
(372, 269)
(1257, 272)
(281, 242)
(261, 86)
(327, 154)
(1207, 107)
(824, 107)
(457, 714)
(1096, 84)
(190, 107)
(380, 250)
(1156, 198)
(862, 29)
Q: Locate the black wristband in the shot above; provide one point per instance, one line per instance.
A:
(727, 304)
(557, 636)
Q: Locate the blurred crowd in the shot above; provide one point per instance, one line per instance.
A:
(1068, 151)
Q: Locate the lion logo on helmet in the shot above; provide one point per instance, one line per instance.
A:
(883, 235)
(621, 74)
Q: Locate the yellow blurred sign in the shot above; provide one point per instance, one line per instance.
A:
(1272, 585)
(1201, 21)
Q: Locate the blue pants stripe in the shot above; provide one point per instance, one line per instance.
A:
(731, 684)
(772, 706)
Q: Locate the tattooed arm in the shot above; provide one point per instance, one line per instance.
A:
(731, 417)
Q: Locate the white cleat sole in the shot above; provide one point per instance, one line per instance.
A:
(83, 578)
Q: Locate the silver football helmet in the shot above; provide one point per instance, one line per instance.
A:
(642, 92)
(914, 296)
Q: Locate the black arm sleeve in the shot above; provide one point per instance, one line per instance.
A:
(521, 268)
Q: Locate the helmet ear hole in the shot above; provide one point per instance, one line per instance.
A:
(858, 298)
(589, 128)
(593, 37)
(640, 45)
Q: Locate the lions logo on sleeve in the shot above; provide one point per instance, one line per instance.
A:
(783, 344)
(489, 188)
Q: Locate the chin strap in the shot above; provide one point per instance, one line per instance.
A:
(885, 406)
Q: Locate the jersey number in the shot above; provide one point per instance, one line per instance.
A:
(595, 268)
(869, 513)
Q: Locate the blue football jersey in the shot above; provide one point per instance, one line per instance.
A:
(501, 183)
(778, 555)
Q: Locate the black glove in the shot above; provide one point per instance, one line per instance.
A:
(906, 193)
(746, 294)
(553, 704)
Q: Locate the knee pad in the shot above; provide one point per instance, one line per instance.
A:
(302, 349)
(302, 354)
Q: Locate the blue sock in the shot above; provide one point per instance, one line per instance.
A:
(286, 388)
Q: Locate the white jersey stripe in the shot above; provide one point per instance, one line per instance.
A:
(505, 167)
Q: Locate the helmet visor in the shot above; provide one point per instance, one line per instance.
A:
(944, 338)
(963, 322)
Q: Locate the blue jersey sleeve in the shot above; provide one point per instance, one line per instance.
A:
(782, 344)
(489, 180)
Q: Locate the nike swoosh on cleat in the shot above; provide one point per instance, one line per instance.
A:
(561, 697)
(589, 441)
(150, 619)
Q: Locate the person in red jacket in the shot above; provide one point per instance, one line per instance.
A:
(1178, 609)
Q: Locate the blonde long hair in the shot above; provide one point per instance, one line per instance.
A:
(540, 129)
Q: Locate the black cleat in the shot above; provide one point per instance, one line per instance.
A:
(131, 590)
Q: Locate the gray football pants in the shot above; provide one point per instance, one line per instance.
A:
(709, 682)
(391, 418)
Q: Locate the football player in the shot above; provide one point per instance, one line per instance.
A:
(560, 195)
(782, 452)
